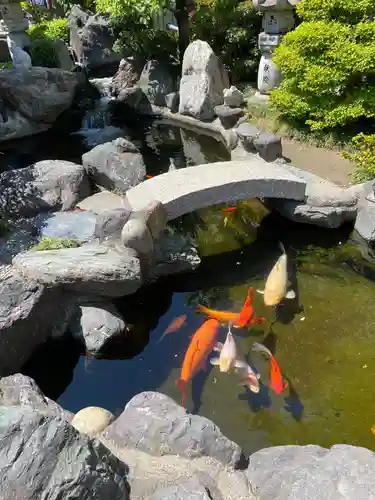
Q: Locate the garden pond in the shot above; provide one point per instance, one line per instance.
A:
(323, 340)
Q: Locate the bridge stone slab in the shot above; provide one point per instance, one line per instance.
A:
(189, 189)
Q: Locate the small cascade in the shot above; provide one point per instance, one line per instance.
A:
(96, 124)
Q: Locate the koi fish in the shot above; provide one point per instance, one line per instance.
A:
(149, 176)
(174, 325)
(228, 353)
(275, 289)
(246, 317)
(248, 377)
(200, 347)
(222, 316)
(277, 382)
(229, 210)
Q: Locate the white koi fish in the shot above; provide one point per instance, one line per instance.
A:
(276, 286)
(228, 353)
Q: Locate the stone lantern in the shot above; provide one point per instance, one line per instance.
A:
(14, 22)
(278, 19)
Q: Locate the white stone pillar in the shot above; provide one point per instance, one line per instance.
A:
(14, 23)
(278, 19)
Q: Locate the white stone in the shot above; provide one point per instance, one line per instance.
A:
(233, 97)
(186, 190)
(20, 59)
(92, 420)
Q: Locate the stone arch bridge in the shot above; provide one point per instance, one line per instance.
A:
(188, 189)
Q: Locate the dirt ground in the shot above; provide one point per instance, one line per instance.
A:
(323, 162)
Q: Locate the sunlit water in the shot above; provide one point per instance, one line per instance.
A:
(323, 340)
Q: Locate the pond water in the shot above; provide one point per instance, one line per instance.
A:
(323, 340)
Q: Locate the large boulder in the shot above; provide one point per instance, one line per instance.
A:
(311, 472)
(29, 314)
(154, 423)
(76, 225)
(33, 100)
(45, 457)
(110, 271)
(92, 38)
(20, 390)
(46, 185)
(96, 324)
(156, 82)
(117, 164)
(202, 83)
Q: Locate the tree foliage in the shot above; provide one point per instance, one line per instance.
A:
(363, 156)
(328, 64)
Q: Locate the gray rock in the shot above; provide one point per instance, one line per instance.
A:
(268, 146)
(172, 101)
(192, 489)
(103, 202)
(34, 99)
(311, 472)
(128, 73)
(91, 38)
(154, 216)
(96, 324)
(156, 82)
(110, 223)
(201, 85)
(46, 185)
(247, 134)
(29, 314)
(79, 226)
(365, 221)
(325, 204)
(111, 165)
(154, 423)
(228, 116)
(136, 235)
(133, 97)
(45, 457)
(233, 97)
(19, 390)
(64, 59)
(91, 269)
(173, 254)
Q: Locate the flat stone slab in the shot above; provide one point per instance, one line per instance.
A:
(186, 190)
(103, 201)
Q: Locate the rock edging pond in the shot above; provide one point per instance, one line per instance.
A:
(179, 455)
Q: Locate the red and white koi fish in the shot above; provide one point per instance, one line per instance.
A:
(277, 382)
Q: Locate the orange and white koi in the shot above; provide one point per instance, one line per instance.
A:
(277, 382)
(228, 353)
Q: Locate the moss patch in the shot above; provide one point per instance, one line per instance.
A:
(48, 243)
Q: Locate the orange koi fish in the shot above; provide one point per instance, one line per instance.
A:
(229, 210)
(247, 317)
(201, 345)
(174, 325)
(222, 316)
(149, 176)
(277, 382)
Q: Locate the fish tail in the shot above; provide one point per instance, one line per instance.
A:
(281, 246)
(182, 387)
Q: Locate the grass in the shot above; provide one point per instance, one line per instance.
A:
(49, 243)
(261, 115)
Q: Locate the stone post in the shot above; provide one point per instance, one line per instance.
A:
(278, 19)
(14, 23)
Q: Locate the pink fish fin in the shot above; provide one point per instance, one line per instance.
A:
(161, 338)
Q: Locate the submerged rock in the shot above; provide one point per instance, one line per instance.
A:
(90, 269)
(202, 83)
(154, 423)
(29, 314)
(45, 457)
(79, 226)
(96, 324)
(45, 185)
(20, 390)
(115, 165)
(311, 472)
(156, 82)
(92, 420)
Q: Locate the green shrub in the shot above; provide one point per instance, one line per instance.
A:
(328, 66)
(43, 53)
(363, 156)
(55, 29)
(6, 65)
(231, 28)
(49, 243)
